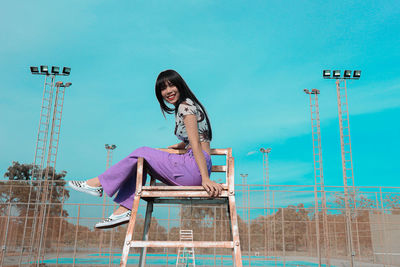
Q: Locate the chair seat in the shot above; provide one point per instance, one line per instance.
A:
(177, 188)
(174, 193)
(179, 191)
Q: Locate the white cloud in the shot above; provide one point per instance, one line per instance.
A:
(251, 153)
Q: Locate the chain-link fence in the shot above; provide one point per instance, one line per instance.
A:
(291, 231)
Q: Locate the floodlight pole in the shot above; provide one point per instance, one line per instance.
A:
(319, 189)
(347, 159)
(246, 206)
(40, 153)
(109, 149)
(266, 190)
(38, 171)
(51, 160)
(244, 176)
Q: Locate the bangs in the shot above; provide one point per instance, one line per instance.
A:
(165, 78)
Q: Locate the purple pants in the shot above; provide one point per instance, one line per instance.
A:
(171, 169)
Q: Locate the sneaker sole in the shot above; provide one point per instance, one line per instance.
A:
(83, 190)
(111, 225)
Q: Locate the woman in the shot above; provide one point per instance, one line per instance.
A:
(192, 127)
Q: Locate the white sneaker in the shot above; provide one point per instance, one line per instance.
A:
(82, 186)
(114, 220)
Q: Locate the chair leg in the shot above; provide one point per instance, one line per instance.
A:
(228, 213)
(129, 231)
(235, 232)
(147, 221)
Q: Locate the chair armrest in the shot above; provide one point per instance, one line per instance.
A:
(173, 151)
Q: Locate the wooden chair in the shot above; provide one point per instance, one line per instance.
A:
(183, 195)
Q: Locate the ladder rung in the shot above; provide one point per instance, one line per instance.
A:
(201, 194)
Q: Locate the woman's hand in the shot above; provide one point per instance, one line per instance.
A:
(212, 188)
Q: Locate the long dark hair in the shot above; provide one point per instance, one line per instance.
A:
(171, 76)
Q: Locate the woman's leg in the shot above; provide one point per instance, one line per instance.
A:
(172, 169)
(121, 177)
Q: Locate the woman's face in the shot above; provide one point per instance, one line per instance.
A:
(170, 93)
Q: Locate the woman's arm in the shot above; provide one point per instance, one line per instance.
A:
(212, 188)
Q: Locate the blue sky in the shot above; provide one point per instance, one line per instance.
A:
(247, 62)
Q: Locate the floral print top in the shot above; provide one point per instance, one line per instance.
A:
(188, 107)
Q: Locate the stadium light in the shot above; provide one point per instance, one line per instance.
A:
(263, 150)
(44, 70)
(336, 74)
(347, 74)
(34, 70)
(60, 84)
(66, 71)
(326, 74)
(55, 70)
(357, 74)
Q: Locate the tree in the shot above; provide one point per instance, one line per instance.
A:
(393, 202)
(19, 190)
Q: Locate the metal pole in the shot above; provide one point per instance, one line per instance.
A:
(109, 149)
(76, 233)
(61, 223)
(283, 238)
(41, 143)
(45, 199)
(215, 232)
(384, 227)
(273, 205)
(244, 192)
(245, 207)
(318, 174)
(347, 163)
(4, 246)
(265, 153)
(249, 221)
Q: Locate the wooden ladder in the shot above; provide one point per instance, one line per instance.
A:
(185, 255)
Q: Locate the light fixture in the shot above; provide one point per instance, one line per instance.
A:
(306, 91)
(66, 71)
(34, 70)
(55, 70)
(315, 91)
(326, 73)
(336, 74)
(357, 74)
(67, 84)
(44, 69)
(347, 74)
